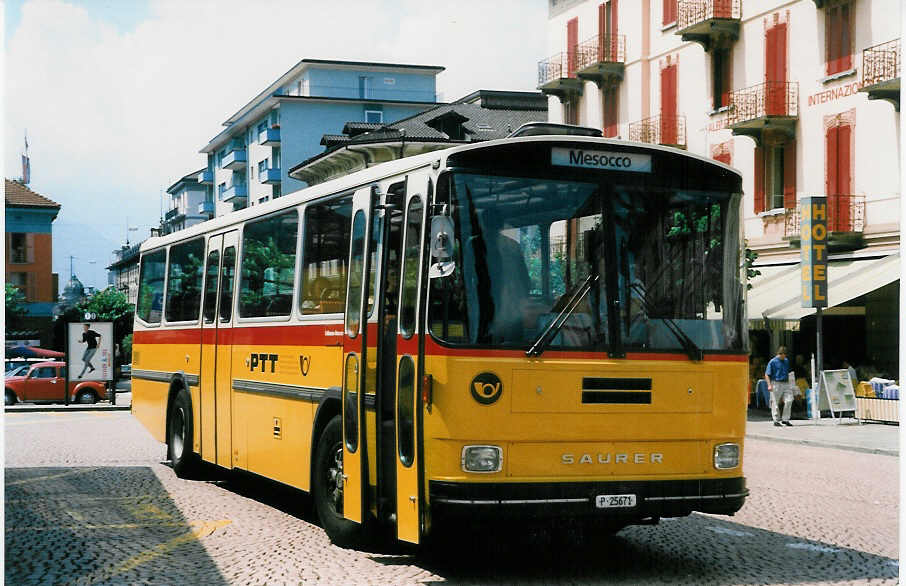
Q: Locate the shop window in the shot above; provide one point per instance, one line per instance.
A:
(838, 27)
(720, 69)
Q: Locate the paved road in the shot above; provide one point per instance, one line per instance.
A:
(89, 500)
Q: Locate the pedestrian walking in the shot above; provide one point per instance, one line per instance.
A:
(777, 375)
(91, 338)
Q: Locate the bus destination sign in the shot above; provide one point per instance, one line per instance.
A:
(565, 157)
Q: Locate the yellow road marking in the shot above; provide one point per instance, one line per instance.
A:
(147, 511)
(50, 476)
(200, 529)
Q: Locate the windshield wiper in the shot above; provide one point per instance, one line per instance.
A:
(575, 299)
(692, 350)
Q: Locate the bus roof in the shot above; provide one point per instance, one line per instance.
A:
(389, 169)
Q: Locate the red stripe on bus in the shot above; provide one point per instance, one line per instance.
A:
(307, 335)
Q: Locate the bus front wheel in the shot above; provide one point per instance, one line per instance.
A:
(179, 444)
(328, 487)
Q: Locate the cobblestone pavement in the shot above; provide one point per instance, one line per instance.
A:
(88, 499)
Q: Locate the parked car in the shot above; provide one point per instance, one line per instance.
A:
(44, 383)
(20, 370)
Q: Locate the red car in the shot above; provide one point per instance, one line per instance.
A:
(44, 382)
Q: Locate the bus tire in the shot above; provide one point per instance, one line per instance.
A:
(327, 487)
(179, 441)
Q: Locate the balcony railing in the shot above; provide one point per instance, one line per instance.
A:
(881, 63)
(845, 214)
(235, 192)
(666, 130)
(206, 177)
(235, 159)
(206, 207)
(693, 12)
(270, 176)
(771, 98)
(269, 137)
(601, 49)
(560, 66)
(172, 214)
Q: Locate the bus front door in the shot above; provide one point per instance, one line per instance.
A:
(206, 408)
(409, 364)
(357, 377)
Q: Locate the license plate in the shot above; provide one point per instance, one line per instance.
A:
(614, 501)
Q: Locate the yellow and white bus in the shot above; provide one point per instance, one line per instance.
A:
(540, 326)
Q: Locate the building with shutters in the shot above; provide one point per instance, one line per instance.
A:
(29, 257)
(802, 96)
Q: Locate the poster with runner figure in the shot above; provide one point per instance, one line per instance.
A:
(90, 351)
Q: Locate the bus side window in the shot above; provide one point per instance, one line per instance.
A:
(227, 274)
(151, 287)
(356, 268)
(268, 266)
(184, 274)
(324, 255)
(210, 287)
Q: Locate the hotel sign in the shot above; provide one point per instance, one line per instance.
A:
(813, 251)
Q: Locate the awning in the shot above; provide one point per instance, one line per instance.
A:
(775, 294)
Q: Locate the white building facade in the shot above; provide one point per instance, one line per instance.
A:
(802, 96)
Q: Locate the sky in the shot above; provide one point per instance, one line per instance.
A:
(118, 96)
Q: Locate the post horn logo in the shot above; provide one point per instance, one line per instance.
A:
(486, 388)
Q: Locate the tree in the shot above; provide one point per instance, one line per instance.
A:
(15, 306)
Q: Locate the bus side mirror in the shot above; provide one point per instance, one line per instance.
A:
(441, 247)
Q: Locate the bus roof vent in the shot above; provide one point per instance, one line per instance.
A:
(550, 128)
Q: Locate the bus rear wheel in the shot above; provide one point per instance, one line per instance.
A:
(327, 487)
(179, 442)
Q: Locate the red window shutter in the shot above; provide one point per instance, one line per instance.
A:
(832, 29)
(602, 30)
(844, 183)
(723, 9)
(610, 113)
(775, 70)
(759, 179)
(669, 11)
(830, 171)
(846, 58)
(668, 105)
(789, 175)
(572, 39)
(614, 31)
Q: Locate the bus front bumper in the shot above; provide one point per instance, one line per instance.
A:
(662, 498)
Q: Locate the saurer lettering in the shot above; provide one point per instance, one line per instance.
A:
(599, 458)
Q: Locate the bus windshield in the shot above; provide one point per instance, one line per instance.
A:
(657, 267)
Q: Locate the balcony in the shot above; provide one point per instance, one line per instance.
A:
(766, 107)
(235, 193)
(557, 75)
(845, 222)
(270, 176)
(235, 159)
(713, 24)
(173, 215)
(881, 72)
(206, 177)
(601, 59)
(206, 208)
(269, 137)
(665, 130)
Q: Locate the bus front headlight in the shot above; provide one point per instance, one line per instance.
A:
(726, 456)
(482, 459)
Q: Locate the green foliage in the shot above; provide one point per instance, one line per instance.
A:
(126, 345)
(15, 306)
(109, 305)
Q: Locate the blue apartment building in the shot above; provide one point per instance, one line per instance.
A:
(248, 162)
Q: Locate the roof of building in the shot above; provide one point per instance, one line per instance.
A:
(486, 116)
(190, 178)
(19, 195)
